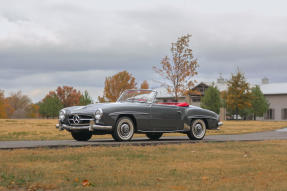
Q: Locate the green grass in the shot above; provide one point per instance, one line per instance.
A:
(201, 166)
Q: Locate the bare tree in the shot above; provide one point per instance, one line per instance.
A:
(19, 103)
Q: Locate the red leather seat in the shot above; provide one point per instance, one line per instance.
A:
(183, 104)
(180, 104)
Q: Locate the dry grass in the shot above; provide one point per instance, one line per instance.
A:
(239, 127)
(30, 129)
(202, 166)
(44, 129)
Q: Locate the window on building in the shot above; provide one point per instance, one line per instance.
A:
(195, 99)
(284, 114)
(270, 114)
(201, 89)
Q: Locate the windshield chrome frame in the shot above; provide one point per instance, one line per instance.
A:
(154, 97)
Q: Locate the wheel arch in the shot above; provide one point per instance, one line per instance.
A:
(131, 116)
(204, 119)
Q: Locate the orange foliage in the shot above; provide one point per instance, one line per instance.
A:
(144, 85)
(67, 95)
(238, 96)
(116, 84)
(2, 108)
(6, 110)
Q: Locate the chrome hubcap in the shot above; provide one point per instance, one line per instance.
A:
(125, 129)
(198, 130)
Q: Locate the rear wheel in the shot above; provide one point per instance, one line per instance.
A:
(197, 130)
(82, 135)
(124, 129)
(154, 136)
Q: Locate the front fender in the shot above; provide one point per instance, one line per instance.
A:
(210, 118)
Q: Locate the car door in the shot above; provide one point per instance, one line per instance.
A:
(165, 117)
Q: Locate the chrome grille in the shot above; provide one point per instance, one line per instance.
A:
(80, 119)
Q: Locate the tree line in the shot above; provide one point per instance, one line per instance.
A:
(17, 105)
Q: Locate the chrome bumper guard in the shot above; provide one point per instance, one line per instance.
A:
(91, 127)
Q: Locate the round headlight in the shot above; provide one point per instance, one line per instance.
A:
(98, 113)
(62, 115)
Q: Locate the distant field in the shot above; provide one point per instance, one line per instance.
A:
(44, 129)
(201, 166)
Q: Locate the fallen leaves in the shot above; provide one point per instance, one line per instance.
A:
(85, 183)
(204, 178)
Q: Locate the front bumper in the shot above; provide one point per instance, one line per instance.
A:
(91, 127)
(218, 125)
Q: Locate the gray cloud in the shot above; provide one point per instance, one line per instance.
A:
(44, 44)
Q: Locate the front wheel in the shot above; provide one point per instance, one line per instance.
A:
(82, 135)
(124, 129)
(154, 136)
(197, 130)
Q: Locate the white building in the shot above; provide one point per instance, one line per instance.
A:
(276, 94)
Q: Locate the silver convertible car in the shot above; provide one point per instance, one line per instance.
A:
(137, 111)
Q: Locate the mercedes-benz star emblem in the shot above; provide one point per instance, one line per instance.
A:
(76, 119)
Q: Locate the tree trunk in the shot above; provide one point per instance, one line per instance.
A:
(236, 113)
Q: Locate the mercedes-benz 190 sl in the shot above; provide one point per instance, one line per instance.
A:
(137, 111)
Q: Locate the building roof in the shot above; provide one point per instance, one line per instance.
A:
(274, 88)
(220, 86)
(267, 89)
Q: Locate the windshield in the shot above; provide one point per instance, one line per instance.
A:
(142, 96)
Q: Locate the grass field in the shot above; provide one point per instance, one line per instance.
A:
(44, 129)
(201, 166)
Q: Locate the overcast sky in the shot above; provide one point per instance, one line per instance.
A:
(48, 43)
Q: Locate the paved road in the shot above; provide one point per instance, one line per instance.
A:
(270, 135)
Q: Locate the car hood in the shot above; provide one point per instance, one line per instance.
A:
(93, 107)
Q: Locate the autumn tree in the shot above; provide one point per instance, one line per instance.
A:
(238, 96)
(211, 99)
(144, 85)
(177, 72)
(116, 84)
(259, 102)
(2, 105)
(85, 98)
(33, 111)
(8, 108)
(68, 95)
(19, 104)
(50, 106)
